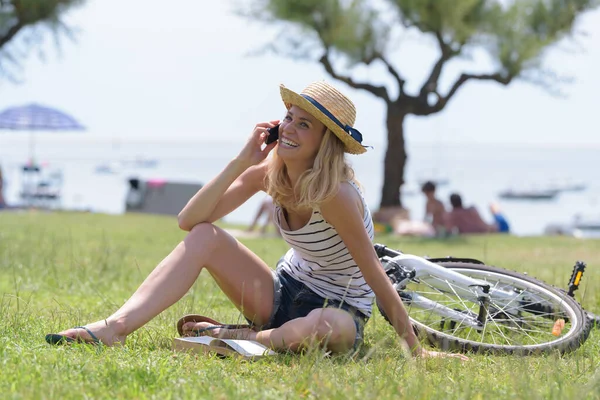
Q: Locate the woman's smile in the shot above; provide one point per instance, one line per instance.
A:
(288, 143)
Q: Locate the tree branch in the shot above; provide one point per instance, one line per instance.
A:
(379, 91)
(443, 100)
(394, 73)
(447, 53)
(12, 31)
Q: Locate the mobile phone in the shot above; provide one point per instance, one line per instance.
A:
(273, 134)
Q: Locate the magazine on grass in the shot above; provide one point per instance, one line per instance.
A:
(226, 347)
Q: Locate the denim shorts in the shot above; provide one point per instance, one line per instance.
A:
(292, 299)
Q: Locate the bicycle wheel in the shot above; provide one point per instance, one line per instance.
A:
(521, 314)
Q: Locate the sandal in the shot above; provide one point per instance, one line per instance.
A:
(201, 318)
(56, 339)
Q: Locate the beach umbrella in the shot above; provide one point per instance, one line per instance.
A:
(34, 117)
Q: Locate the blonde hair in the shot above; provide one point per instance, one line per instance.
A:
(316, 184)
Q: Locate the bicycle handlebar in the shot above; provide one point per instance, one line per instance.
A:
(383, 250)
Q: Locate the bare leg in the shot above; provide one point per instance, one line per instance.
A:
(242, 276)
(331, 327)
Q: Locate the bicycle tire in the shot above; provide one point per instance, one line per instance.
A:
(595, 319)
(578, 334)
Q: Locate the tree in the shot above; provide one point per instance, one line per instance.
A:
(514, 33)
(28, 20)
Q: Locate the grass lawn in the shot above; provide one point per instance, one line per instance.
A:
(63, 270)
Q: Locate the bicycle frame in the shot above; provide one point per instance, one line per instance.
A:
(461, 284)
(444, 280)
(447, 280)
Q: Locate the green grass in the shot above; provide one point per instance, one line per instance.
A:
(63, 270)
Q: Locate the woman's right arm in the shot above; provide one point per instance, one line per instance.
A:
(240, 179)
(226, 192)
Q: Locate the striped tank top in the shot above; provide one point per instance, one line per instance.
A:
(319, 259)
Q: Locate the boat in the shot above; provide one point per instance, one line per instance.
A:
(410, 189)
(140, 162)
(41, 186)
(531, 194)
(569, 187)
(586, 222)
(108, 168)
(581, 226)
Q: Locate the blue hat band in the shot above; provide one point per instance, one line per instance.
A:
(354, 133)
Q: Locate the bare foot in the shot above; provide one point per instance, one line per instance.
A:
(191, 329)
(105, 331)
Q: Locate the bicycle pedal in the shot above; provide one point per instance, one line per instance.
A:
(575, 279)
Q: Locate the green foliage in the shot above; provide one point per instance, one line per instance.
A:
(59, 270)
(26, 22)
(349, 27)
(520, 34)
(458, 19)
(514, 33)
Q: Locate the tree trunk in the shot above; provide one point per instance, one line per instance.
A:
(395, 157)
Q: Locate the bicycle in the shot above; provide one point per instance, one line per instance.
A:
(462, 304)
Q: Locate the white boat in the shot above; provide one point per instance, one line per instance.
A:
(108, 168)
(574, 187)
(141, 162)
(569, 187)
(581, 226)
(41, 186)
(528, 194)
(586, 222)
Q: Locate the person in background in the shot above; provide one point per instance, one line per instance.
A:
(468, 220)
(435, 212)
(266, 208)
(501, 222)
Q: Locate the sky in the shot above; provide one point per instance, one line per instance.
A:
(149, 69)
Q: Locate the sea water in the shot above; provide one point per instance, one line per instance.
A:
(94, 173)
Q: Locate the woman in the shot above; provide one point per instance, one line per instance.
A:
(323, 288)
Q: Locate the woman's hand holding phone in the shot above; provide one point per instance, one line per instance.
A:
(273, 134)
(253, 152)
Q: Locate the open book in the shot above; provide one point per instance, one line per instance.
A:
(247, 349)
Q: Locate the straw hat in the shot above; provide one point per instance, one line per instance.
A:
(332, 108)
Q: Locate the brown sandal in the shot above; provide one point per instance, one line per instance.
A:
(201, 318)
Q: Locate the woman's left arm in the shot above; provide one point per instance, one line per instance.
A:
(345, 213)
